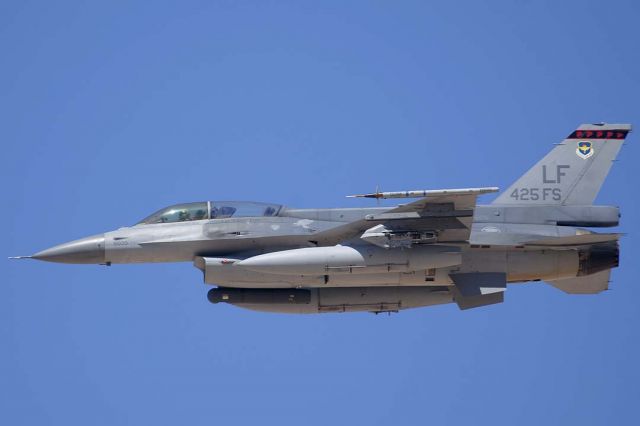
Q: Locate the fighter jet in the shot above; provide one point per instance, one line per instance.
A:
(440, 248)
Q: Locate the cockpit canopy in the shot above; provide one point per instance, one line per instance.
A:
(211, 210)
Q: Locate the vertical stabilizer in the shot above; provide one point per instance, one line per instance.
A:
(573, 172)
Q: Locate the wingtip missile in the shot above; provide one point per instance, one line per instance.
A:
(373, 195)
(427, 193)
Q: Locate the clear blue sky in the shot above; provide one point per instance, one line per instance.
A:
(111, 110)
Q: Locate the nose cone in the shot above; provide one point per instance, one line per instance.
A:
(84, 250)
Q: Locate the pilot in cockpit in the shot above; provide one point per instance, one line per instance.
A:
(199, 214)
(222, 212)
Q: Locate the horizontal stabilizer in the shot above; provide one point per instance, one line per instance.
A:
(573, 240)
(589, 284)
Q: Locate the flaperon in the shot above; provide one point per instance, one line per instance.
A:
(441, 248)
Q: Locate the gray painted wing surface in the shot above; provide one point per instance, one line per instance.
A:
(448, 213)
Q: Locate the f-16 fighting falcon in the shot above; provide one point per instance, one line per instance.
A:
(441, 248)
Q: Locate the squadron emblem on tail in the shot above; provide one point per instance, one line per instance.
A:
(584, 150)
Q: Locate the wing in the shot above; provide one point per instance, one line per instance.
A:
(444, 215)
(438, 217)
(448, 213)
